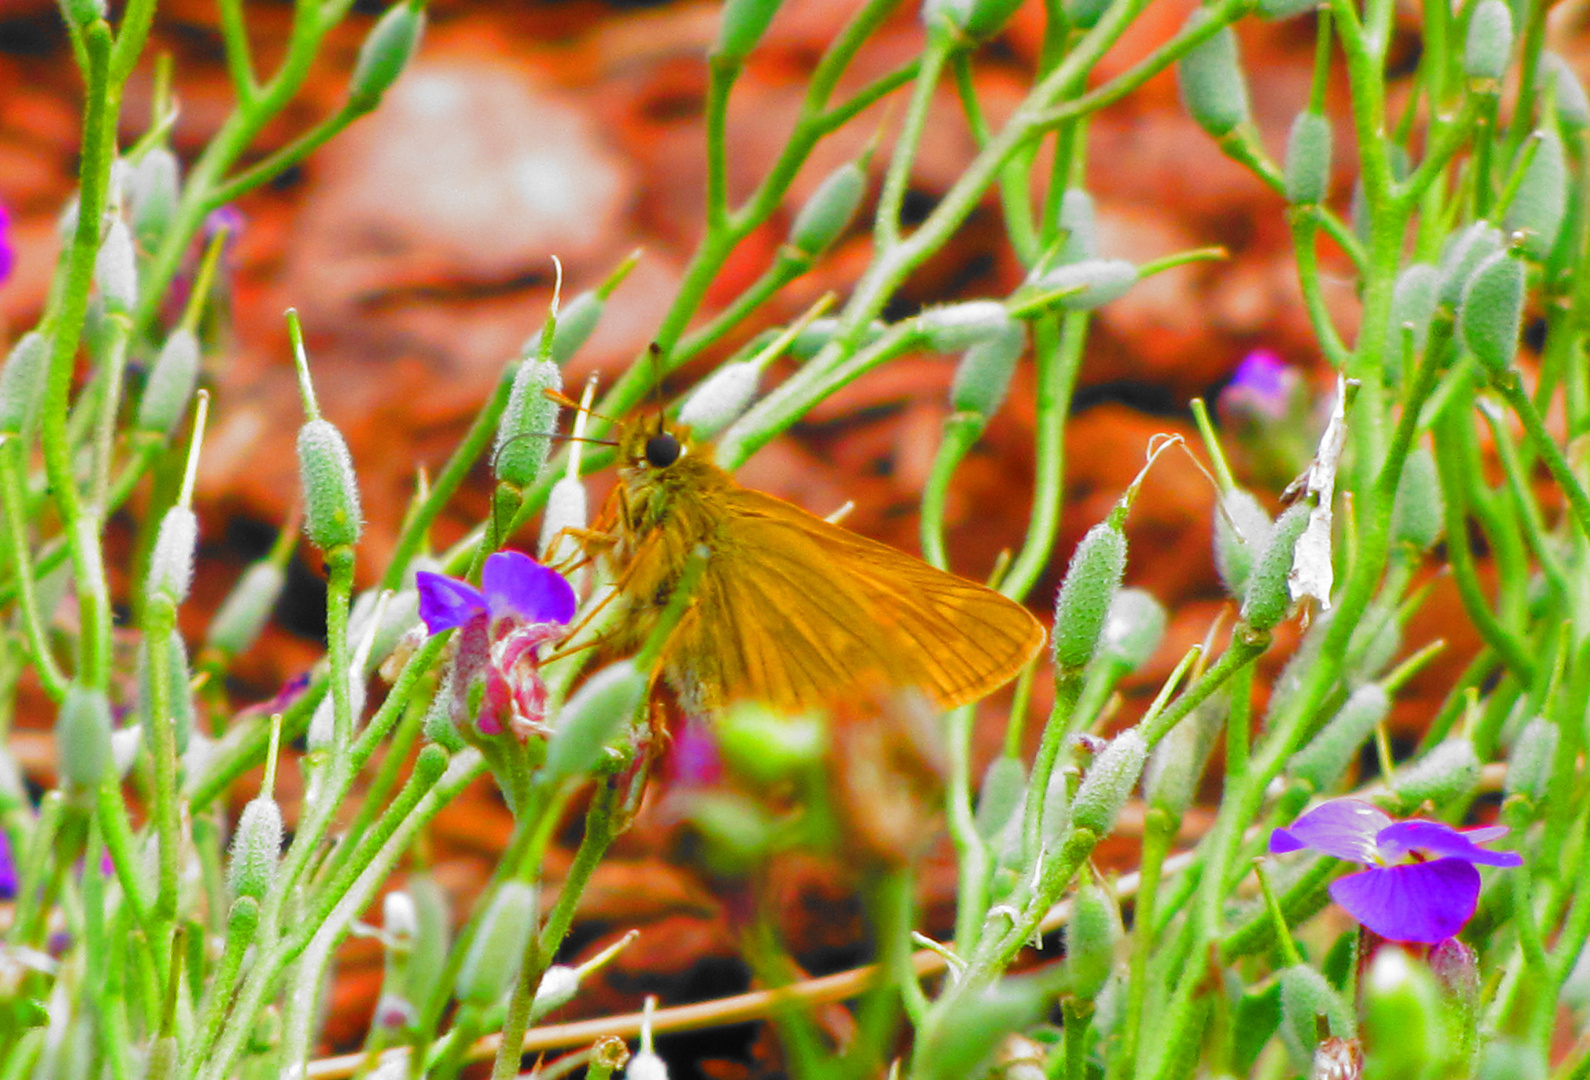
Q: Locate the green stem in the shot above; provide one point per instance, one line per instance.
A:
(1578, 501)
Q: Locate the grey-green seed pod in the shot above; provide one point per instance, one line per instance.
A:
(1133, 629)
(963, 1043)
(1462, 254)
(1489, 43)
(247, 608)
(1449, 771)
(1267, 598)
(1003, 790)
(331, 490)
(1530, 763)
(1556, 76)
(1213, 88)
(498, 950)
(22, 384)
(1285, 9)
(1170, 780)
(982, 378)
(116, 269)
(1308, 159)
(153, 189)
(577, 321)
(1079, 219)
(1492, 311)
(720, 399)
(384, 54)
(171, 562)
(956, 327)
(428, 951)
(1108, 782)
(1541, 202)
(1413, 302)
(1088, 284)
(1092, 935)
(1086, 593)
(743, 24)
(1306, 994)
(1322, 763)
(82, 738)
(1418, 517)
(593, 715)
(528, 421)
(1241, 533)
(256, 848)
(171, 383)
(829, 211)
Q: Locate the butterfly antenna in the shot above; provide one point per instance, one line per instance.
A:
(654, 350)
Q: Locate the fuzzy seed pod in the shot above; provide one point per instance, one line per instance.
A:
(602, 705)
(1240, 540)
(559, 984)
(498, 949)
(171, 562)
(399, 917)
(577, 321)
(566, 509)
(1306, 994)
(171, 383)
(1267, 599)
(982, 378)
(1108, 783)
(963, 1043)
(1489, 43)
(766, 747)
(1086, 593)
(1322, 763)
(1418, 517)
(1001, 794)
(247, 608)
(1556, 77)
(1213, 89)
(1308, 159)
(829, 211)
(82, 738)
(116, 269)
(1541, 202)
(429, 949)
(1093, 933)
(527, 421)
(22, 384)
(256, 848)
(1462, 254)
(957, 327)
(153, 189)
(1530, 763)
(742, 26)
(331, 490)
(1413, 302)
(1448, 772)
(1088, 284)
(720, 399)
(1492, 311)
(1170, 780)
(1133, 629)
(384, 54)
(1080, 221)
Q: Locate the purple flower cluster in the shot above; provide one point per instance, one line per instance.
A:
(8, 253)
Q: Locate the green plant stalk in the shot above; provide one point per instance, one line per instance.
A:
(160, 617)
(971, 854)
(886, 224)
(1067, 692)
(339, 594)
(239, 60)
(1305, 227)
(379, 787)
(13, 489)
(1158, 835)
(891, 903)
(1527, 508)
(98, 955)
(961, 432)
(1014, 197)
(1508, 386)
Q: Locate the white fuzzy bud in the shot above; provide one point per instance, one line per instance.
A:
(566, 509)
(720, 400)
(171, 563)
(116, 269)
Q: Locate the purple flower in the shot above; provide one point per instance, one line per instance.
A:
(520, 606)
(8, 253)
(1264, 387)
(8, 868)
(1421, 884)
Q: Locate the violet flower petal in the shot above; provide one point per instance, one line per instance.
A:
(1484, 834)
(447, 603)
(1345, 828)
(515, 584)
(1440, 840)
(1424, 902)
(8, 868)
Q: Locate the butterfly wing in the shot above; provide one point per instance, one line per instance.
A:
(794, 611)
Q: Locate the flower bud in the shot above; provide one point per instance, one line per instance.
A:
(1108, 782)
(577, 321)
(1418, 516)
(1529, 765)
(1242, 532)
(1492, 311)
(566, 509)
(1321, 763)
(1540, 202)
(1402, 1017)
(116, 269)
(1268, 598)
(1213, 88)
(1088, 284)
(1080, 222)
(559, 984)
(961, 1044)
(1093, 932)
(528, 421)
(124, 746)
(1133, 629)
(498, 949)
(171, 562)
(982, 378)
(720, 399)
(1449, 771)
(171, 382)
(1002, 792)
(829, 211)
(1177, 764)
(1413, 301)
(1083, 603)
(742, 26)
(957, 327)
(256, 848)
(1306, 995)
(384, 54)
(646, 1065)
(1489, 42)
(331, 491)
(399, 917)
(766, 747)
(1308, 159)
(1462, 254)
(1557, 78)
(153, 189)
(594, 714)
(22, 382)
(82, 738)
(246, 609)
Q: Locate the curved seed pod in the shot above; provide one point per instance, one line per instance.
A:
(153, 189)
(1083, 602)
(1213, 88)
(722, 398)
(1092, 935)
(1001, 793)
(256, 848)
(982, 378)
(1088, 284)
(1541, 202)
(1133, 628)
(1241, 533)
(82, 739)
(1447, 772)
(171, 383)
(1530, 763)
(1305, 995)
(384, 54)
(829, 211)
(1419, 514)
(22, 384)
(499, 946)
(742, 26)
(171, 562)
(1108, 782)
(1268, 598)
(116, 269)
(1492, 312)
(331, 490)
(592, 716)
(1413, 302)
(1489, 43)
(521, 449)
(956, 327)
(1462, 254)
(1308, 159)
(1328, 754)
(1558, 78)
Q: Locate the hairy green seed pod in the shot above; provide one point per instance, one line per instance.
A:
(1462, 254)
(1492, 311)
(829, 211)
(1088, 284)
(1413, 302)
(1323, 762)
(1489, 43)
(742, 26)
(1242, 532)
(1093, 934)
(1308, 159)
(331, 490)
(153, 189)
(577, 321)
(721, 399)
(1170, 780)
(116, 269)
(1085, 14)
(528, 421)
(1108, 783)
(384, 54)
(1306, 994)
(962, 1044)
(1133, 629)
(22, 384)
(171, 562)
(1213, 88)
(1530, 763)
(256, 848)
(766, 747)
(1541, 202)
(1556, 77)
(1418, 517)
(82, 738)
(428, 951)
(1086, 593)
(242, 918)
(593, 715)
(1402, 1017)
(1003, 790)
(957, 327)
(247, 608)
(982, 378)
(1079, 219)
(1268, 598)
(1449, 771)
(172, 380)
(498, 950)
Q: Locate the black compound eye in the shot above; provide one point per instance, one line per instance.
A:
(662, 450)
